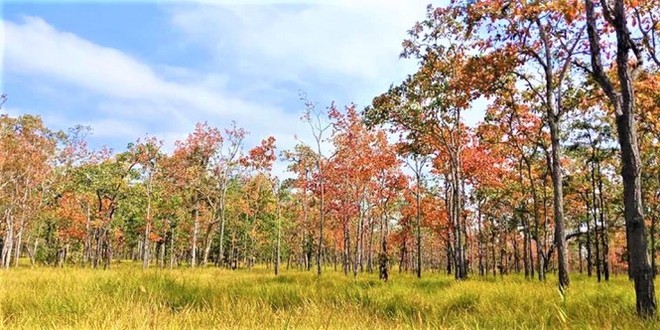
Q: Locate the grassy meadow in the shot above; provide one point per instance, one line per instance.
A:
(126, 297)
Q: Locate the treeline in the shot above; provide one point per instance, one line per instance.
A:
(542, 184)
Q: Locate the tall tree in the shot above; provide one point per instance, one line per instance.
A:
(615, 15)
(315, 118)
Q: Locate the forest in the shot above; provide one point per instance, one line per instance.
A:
(556, 192)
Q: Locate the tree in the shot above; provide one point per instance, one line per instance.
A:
(147, 154)
(226, 163)
(192, 159)
(27, 150)
(427, 107)
(621, 96)
(319, 128)
(260, 159)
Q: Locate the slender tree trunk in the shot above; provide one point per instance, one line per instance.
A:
(357, 261)
(529, 249)
(19, 243)
(403, 255)
(33, 253)
(418, 216)
(319, 261)
(87, 246)
(147, 227)
(161, 255)
(594, 214)
(383, 258)
(516, 256)
(480, 251)
(305, 247)
(8, 240)
(494, 256)
(558, 204)
(588, 236)
(604, 236)
(539, 243)
(279, 229)
(145, 245)
(525, 255)
(450, 257)
(223, 200)
(193, 248)
(370, 265)
(171, 248)
(580, 255)
(347, 248)
(208, 241)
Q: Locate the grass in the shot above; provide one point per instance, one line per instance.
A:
(127, 297)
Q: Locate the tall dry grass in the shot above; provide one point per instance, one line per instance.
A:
(127, 297)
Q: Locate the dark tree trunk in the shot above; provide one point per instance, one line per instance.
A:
(319, 261)
(623, 102)
(539, 244)
(588, 237)
(450, 258)
(558, 203)
(480, 251)
(347, 249)
(419, 223)
(580, 255)
(594, 214)
(383, 257)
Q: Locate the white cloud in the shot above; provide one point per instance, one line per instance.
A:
(350, 44)
(36, 48)
(133, 98)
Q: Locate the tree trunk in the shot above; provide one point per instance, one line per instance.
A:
(319, 259)
(418, 215)
(221, 252)
(87, 246)
(357, 261)
(588, 236)
(480, 251)
(539, 244)
(594, 214)
(19, 243)
(516, 256)
(145, 245)
(558, 203)
(193, 248)
(383, 258)
(623, 103)
(370, 266)
(7, 247)
(525, 255)
(580, 255)
(347, 248)
(279, 224)
(635, 228)
(171, 248)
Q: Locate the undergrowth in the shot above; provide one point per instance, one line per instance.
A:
(128, 297)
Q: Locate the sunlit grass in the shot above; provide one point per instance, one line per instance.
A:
(128, 297)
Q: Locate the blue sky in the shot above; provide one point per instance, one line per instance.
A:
(130, 69)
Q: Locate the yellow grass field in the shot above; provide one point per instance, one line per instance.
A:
(126, 297)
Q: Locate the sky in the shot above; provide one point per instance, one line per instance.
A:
(130, 69)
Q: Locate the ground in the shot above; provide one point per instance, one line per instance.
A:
(127, 297)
